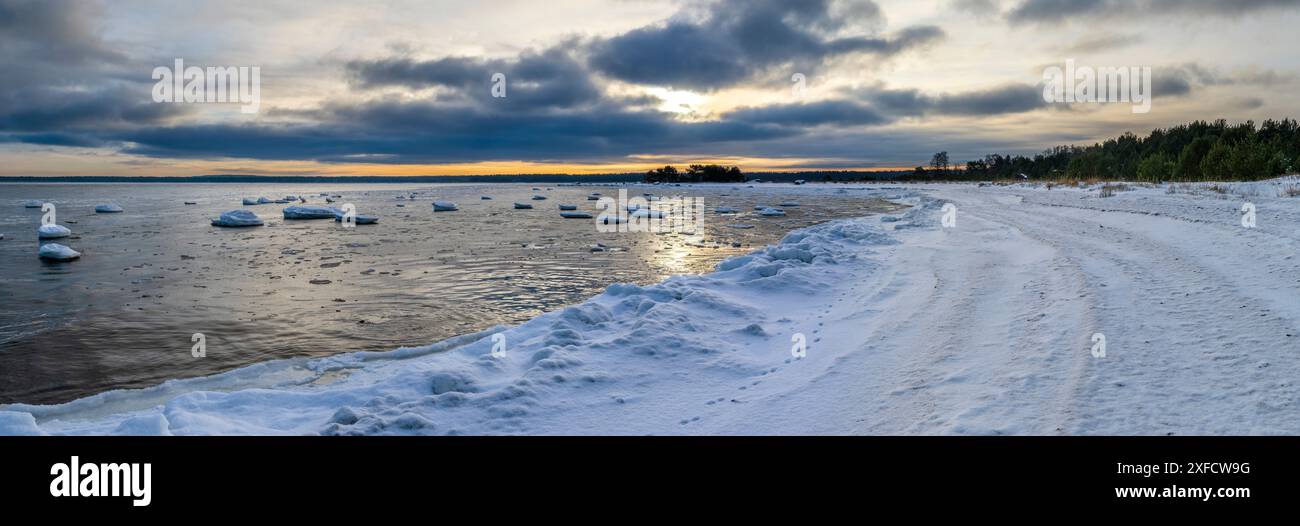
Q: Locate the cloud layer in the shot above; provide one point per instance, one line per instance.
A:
(590, 97)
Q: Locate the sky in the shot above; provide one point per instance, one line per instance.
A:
(399, 87)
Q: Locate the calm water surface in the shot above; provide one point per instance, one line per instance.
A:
(122, 316)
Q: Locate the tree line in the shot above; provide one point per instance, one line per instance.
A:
(696, 173)
(1199, 151)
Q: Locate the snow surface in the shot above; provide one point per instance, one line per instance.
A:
(910, 328)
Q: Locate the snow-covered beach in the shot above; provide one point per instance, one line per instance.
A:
(908, 326)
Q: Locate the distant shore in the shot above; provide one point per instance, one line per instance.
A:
(839, 176)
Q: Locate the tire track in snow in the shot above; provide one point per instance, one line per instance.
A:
(1189, 351)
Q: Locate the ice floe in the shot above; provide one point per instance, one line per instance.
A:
(52, 232)
(646, 212)
(57, 252)
(444, 206)
(311, 212)
(771, 212)
(237, 218)
(523, 206)
(360, 219)
(575, 215)
(108, 208)
(33, 203)
(568, 207)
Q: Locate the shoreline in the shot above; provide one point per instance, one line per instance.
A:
(867, 199)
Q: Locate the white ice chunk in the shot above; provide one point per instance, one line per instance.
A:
(52, 232)
(237, 218)
(57, 252)
(311, 212)
(360, 219)
(646, 212)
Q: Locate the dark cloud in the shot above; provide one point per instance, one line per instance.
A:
(58, 31)
(1103, 42)
(53, 139)
(548, 79)
(53, 108)
(60, 75)
(428, 133)
(1054, 11)
(998, 100)
(831, 112)
(736, 40)
(879, 106)
(1183, 79)
(979, 8)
